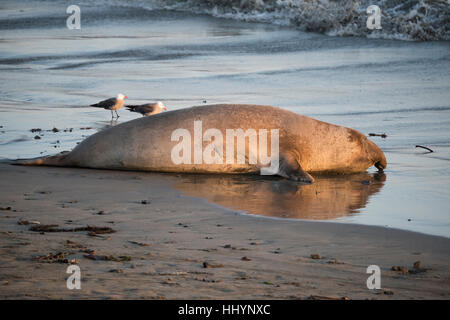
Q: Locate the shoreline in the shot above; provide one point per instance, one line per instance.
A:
(169, 240)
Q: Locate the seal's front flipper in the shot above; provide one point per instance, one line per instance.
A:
(290, 168)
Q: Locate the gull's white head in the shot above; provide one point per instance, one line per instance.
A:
(161, 105)
(121, 96)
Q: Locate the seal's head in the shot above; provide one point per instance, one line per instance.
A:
(376, 155)
(360, 153)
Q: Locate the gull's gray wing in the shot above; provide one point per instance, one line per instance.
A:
(106, 104)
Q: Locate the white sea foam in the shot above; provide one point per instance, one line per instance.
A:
(418, 20)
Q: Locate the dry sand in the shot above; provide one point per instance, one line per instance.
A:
(164, 244)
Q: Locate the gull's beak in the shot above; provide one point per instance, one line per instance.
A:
(165, 108)
(126, 97)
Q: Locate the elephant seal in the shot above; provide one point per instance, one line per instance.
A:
(305, 145)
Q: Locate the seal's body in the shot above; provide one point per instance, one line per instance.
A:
(305, 144)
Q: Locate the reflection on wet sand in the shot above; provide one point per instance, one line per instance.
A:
(329, 197)
(102, 125)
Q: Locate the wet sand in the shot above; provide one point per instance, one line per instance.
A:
(160, 247)
(50, 75)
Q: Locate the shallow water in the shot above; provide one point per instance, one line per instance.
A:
(50, 74)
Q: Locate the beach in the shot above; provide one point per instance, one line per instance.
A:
(257, 235)
(160, 247)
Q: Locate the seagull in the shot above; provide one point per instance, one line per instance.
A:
(111, 104)
(148, 109)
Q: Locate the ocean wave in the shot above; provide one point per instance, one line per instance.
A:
(419, 20)
(95, 58)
